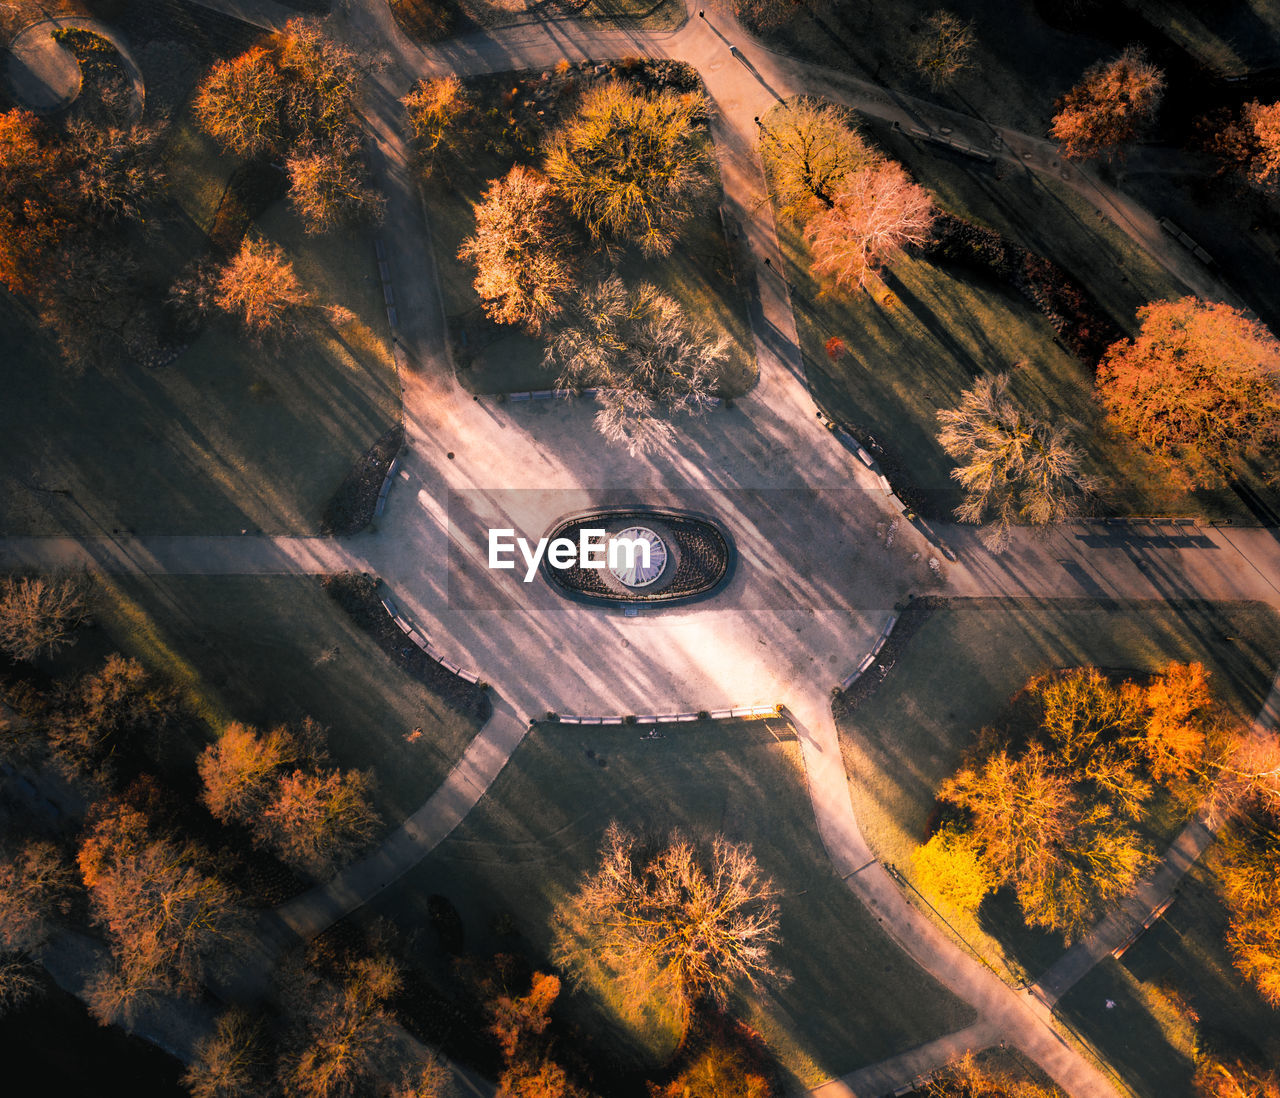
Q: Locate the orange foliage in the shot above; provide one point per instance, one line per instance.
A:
(1110, 107)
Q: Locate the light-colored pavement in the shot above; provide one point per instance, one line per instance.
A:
(814, 583)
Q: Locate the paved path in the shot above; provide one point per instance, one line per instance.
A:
(45, 76)
(813, 586)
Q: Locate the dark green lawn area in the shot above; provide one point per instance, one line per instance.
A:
(1147, 1036)
(266, 650)
(700, 273)
(958, 674)
(854, 998)
(913, 353)
(230, 436)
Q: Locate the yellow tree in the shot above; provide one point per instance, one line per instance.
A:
(810, 148)
(259, 287)
(441, 116)
(633, 166)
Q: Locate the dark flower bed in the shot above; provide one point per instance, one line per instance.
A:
(352, 506)
(357, 594)
(703, 557)
(1081, 324)
(917, 612)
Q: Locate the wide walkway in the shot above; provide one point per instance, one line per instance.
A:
(816, 579)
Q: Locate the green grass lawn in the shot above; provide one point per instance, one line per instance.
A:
(1147, 1036)
(912, 354)
(854, 997)
(266, 650)
(958, 674)
(700, 273)
(230, 436)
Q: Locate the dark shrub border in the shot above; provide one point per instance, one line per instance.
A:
(1075, 314)
(353, 505)
(357, 594)
(913, 616)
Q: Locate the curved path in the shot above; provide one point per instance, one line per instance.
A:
(813, 587)
(45, 76)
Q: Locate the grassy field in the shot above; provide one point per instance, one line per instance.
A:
(958, 674)
(700, 273)
(431, 21)
(1180, 962)
(230, 436)
(266, 650)
(911, 355)
(854, 997)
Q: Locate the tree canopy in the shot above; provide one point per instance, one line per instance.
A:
(877, 212)
(810, 148)
(1014, 467)
(523, 269)
(1199, 385)
(633, 166)
(649, 360)
(706, 920)
(1111, 107)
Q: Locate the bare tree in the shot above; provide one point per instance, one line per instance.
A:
(649, 360)
(19, 981)
(1110, 108)
(633, 166)
(36, 886)
(810, 148)
(39, 615)
(232, 1062)
(1013, 467)
(877, 212)
(522, 265)
(705, 920)
(944, 48)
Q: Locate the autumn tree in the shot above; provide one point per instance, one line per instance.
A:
(35, 211)
(516, 1019)
(240, 771)
(877, 212)
(114, 171)
(40, 614)
(36, 887)
(1199, 385)
(297, 89)
(950, 869)
(1250, 144)
(1054, 817)
(1248, 864)
(233, 1061)
(648, 358)
(1014, 468)
(340, 1034)
(523, 270)
(701, 921)
(239, 103)
(721, 1069)
(967, 1078)
(170, 921)
(809, 149)
(944, 48)
(633, 165)
(316, 821)
(1179, 709)
(259, 287)
(118, 710)
(19, 981)
(442, 118)
(1234, 1077)
(1110, 108)
(329, 186)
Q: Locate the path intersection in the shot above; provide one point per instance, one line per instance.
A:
(816, 579)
